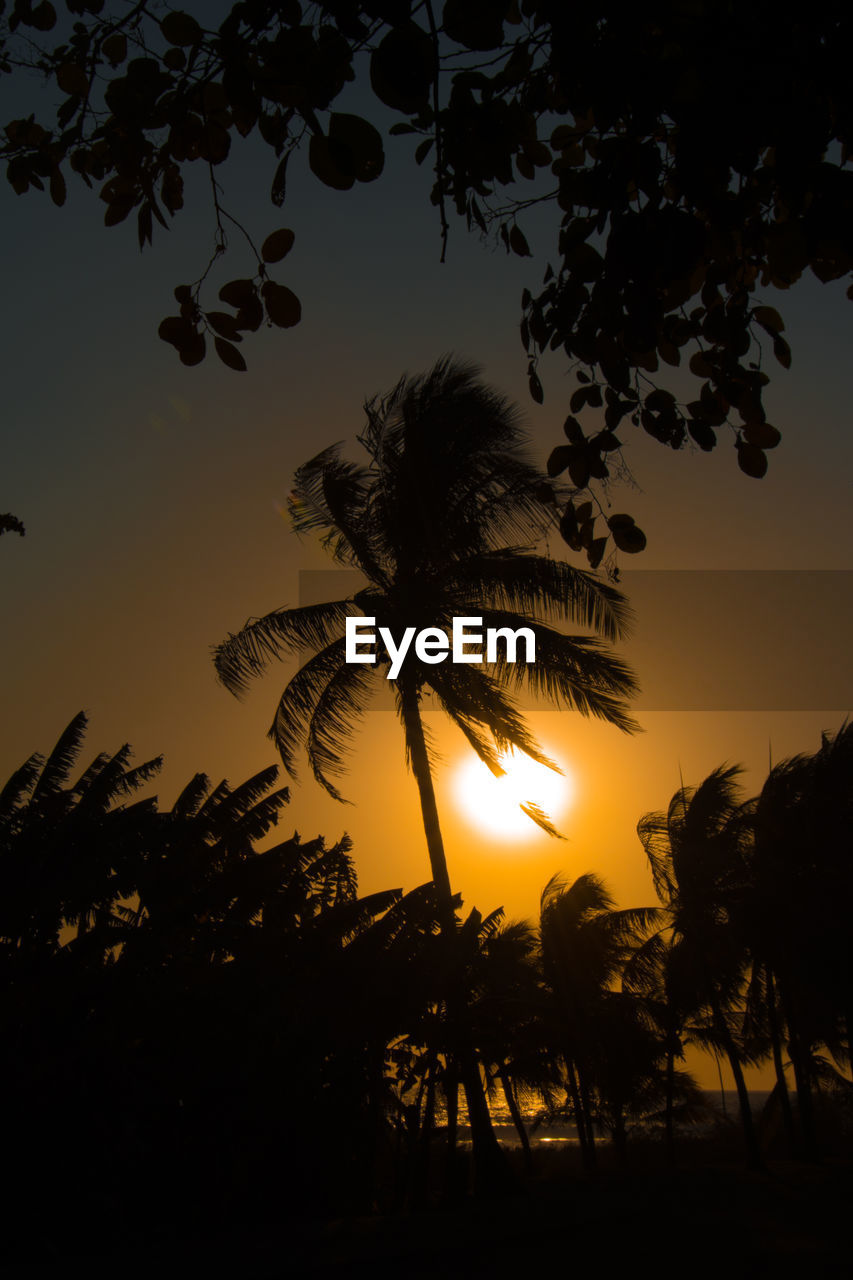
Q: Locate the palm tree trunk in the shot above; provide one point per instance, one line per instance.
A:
(420, 1195)
(669, 1137)
(455, 1161)
(802, 1076)
(776, 1046)
(490, 1169)
(587, 1116)
(574, 1094)
(753, 1150)
(416, 742)
(515, 1113)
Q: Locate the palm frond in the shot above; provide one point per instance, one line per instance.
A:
(330, 496)
(261, 817)
(19, 784)
(136, 777)
(579, 673)
(538, 815)
(292, 720)
(90, 773)
(516, 579)
(246, 655)
(587, 895)
(59, 763)
(238, 802)
(631, 924)
(711, 805)
(337, 713)
(643, 971)
(189, 801)
(654, 834)
(473, 698)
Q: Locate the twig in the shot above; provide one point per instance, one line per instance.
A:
(439, 153)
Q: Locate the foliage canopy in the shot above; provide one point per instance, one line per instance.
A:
(690, 154)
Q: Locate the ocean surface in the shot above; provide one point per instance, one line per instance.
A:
(722, 1108)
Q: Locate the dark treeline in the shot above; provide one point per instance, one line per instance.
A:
(197, 1029)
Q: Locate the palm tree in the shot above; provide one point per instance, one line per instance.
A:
(796, 923)
(698, 851)
(585, 944)
(442, 522)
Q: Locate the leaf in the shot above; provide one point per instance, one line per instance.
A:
(699, 365)
(573, 430)
(114, 48)
(782, 352)
(175, 329)
(751, 460)
(402, 67)
(57, 187)
(595, 552)
(185, 337)
(43, 17)
(703, 434)
(629, 538)
(563, 136)
(559, 459)
(11, 524)
(118, 210)
(525, 168)
(195, 351)
(181, 29)
(579, 468)
(536, 388)
(762, 435)
(277, 245)
(144, 224)
(175, 59)
(518, 243)
(422, 150)
(538, 815)
(229, 355)
(769, 319)
(226, 326)
(569, 528)
(359, 146)
(72, 79)
(475, 24)
(238, 293)
(250, 315)
(329, 164)
(279, 182)
(283, 306)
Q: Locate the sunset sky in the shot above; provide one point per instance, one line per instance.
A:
(153, 496)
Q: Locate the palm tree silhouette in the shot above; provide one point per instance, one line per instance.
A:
(442, 522)
(698, 851)
(585, 944)
(796, 920)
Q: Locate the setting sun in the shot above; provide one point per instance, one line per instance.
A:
(494, 804)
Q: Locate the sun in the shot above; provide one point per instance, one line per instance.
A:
(493, 804)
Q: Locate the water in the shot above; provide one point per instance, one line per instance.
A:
(724, 1106)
